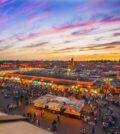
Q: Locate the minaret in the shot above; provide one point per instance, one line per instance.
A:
(72, 63)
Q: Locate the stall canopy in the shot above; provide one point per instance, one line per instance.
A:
(55, 103)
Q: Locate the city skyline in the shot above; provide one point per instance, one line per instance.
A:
(59, 29)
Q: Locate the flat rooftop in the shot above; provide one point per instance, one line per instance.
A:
(21, 127)
(15, 124)
(10, 118)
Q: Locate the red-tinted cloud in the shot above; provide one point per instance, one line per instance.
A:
(3, 1)
(38, 18)
(68, 27)
(90, 4)
(6, 2)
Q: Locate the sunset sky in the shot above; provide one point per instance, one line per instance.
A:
(59, 29)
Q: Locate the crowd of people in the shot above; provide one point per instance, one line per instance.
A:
(99, 109)
(101, 112)
(22, 88)
(36, 90)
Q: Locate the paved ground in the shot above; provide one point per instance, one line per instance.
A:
(66, 126)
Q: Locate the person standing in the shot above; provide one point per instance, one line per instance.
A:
(58, 118)
(34, 116)
(93, 130)
(37, 122)
(42, 113)
(54, 126)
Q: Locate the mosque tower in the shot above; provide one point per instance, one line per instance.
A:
(71, 64)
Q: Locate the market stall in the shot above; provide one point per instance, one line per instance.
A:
(42, 101)
(74, 107)
(65, 105)
(55, 106)
(62, 99)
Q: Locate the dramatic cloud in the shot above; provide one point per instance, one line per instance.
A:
(82, 32)
(2, 1)
(36, 45)
(116, 34)
(4, 48)
(105, 46)
(37, 18)
(67, 49)
(33, 29)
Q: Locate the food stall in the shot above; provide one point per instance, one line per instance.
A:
(70, 106)
(74, 107)
(42, 101)
(54, 106)
(57, 104)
